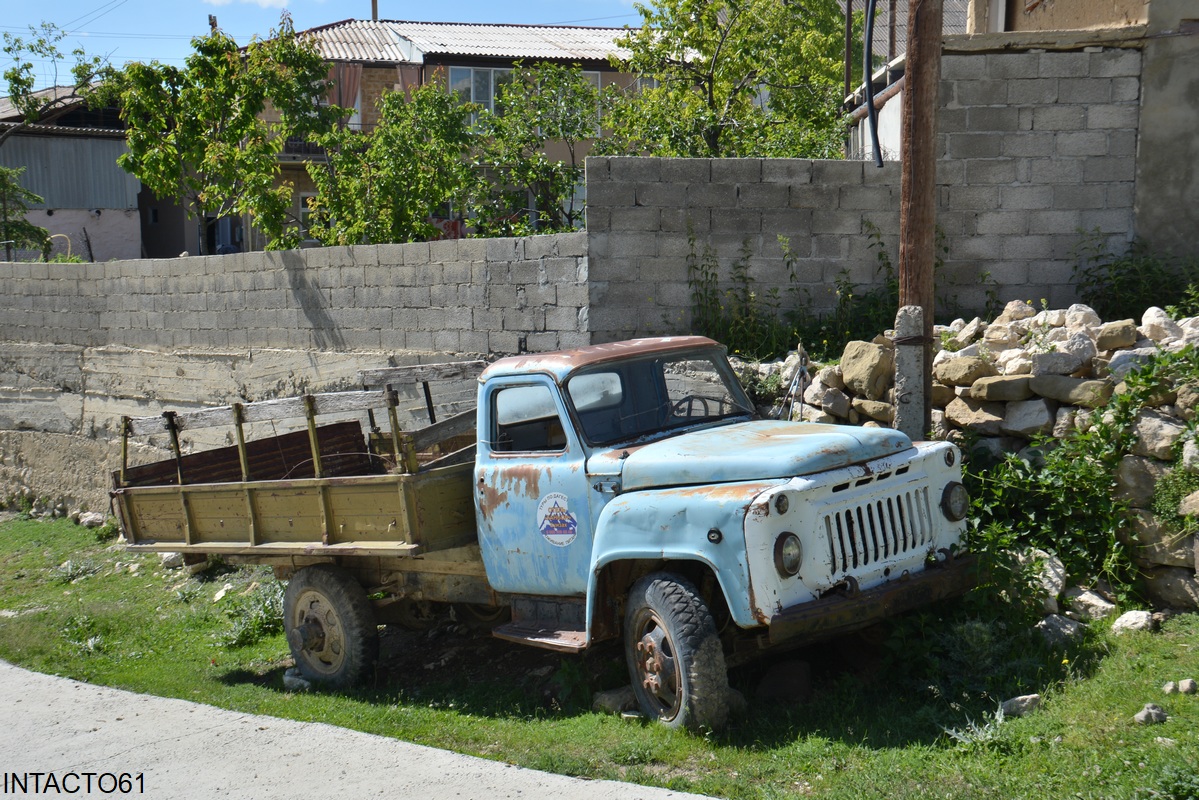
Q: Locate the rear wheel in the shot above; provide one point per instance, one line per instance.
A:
(330, 626)
(674, 654)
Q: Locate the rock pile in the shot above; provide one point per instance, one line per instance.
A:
(1028, 374)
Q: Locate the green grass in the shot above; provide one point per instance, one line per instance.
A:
(875, 727)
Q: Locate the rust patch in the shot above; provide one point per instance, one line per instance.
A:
(523, 479)
(490, 498)
(725, 491)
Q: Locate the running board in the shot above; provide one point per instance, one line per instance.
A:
(542, 633)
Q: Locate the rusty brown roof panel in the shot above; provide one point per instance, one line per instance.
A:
(562, 363)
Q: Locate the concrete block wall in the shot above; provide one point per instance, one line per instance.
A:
(647, 216)
(463, 296)
(1036, 148)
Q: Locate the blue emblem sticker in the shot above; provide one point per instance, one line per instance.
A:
(554, 520)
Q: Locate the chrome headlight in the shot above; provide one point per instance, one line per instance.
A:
(788, 554)
(955, 501)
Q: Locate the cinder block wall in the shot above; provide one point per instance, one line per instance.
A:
(463, 296)
(1036, 148)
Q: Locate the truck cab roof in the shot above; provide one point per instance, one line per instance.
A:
(562, 363)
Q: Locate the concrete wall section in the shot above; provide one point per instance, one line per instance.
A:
(1035, 147)
(463, 296)
(1167, 198)
(647, 218)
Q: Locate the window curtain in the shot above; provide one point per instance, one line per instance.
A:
(344, 82)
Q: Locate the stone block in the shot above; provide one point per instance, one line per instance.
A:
(786, 171)
(635, 168)
(1034, 91)
(986, 92)
(712, 195)
(686, 171)
(976, 415)
(670, 195)
(1081, 143)
(974, 145)
(1064, 65)
(736, 170)
(1116, 63)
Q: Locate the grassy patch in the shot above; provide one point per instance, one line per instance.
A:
(876, 725)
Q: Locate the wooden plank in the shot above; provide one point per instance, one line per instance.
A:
(396, 376)
(275, 549)
(262, 411)
(458, 425)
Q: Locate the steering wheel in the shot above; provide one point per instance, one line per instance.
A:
(685, 406)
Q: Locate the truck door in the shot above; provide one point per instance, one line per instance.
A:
(531, 493)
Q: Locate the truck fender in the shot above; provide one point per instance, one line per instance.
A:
(704, 524)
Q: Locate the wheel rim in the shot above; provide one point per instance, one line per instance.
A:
(317, 634)
(657, 668)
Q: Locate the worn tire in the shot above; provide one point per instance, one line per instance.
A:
(330, 626)
(674, 654)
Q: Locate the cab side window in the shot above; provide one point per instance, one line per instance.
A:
(526, 420)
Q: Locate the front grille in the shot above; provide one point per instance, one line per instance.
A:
(878, 529)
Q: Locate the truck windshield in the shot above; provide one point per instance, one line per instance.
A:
(636, 398)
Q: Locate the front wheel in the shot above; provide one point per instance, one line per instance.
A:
(330, 626)
(675, 659)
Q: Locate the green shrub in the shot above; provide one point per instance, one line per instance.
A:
(255, 615)
(1122, 286)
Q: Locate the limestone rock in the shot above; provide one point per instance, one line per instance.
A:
(1079, 344)
(1170, 687)
(1016, 310)
(1055, 363)
(976, 415)
(1151, 714)
(1082, 316)
(1189, 505)
(1133, 621)
(1001, 388)
(1071, 391)
(1021, 706)
(969, 332)
(942, 395)
(90, 519)
(1001, 336)
(1173, 587)
(1125, 361)
(831, 377)
(940, 429)
(962, 371)
(1015, 361)
(1156, 434)
(1153, 545)
(614, 701)
(294, 682)
(1186, 398)
(867, 369)
(1115, 335)
(1135, 478)
(1188, 686)
(1063, 422)
(1027, 418)
(1058, 630)
(874, 409)
(170, 560)
(1089, 605)
(1157, 325)
(835, 402)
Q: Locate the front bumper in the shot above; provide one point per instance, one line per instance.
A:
(843, 613)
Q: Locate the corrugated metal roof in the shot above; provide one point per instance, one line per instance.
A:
(403, 41)
(362, 40)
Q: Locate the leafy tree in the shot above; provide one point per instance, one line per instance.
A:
(14, 203)
(210, 133)
(732, 78)
(42, 44)
(384, 185)
(546, 104)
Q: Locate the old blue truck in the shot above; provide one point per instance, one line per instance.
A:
(624, 490)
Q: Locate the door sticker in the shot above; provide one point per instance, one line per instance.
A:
(554, 520)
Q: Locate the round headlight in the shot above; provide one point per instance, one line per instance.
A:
(788, 554)
(955, 501)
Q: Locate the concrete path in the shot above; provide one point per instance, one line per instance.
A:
(66, 730)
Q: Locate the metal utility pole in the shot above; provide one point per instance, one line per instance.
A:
(918, 188)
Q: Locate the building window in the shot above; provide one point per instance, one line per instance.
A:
(306, 214)
(479, 85)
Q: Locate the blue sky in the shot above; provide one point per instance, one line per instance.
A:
(148, 30)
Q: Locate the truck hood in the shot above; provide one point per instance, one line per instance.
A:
(746, 451)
